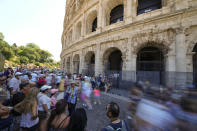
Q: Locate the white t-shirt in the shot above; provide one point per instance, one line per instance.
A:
(58, 79)
(14, 84)
(43, 99)
(87, 90)
(48, 79)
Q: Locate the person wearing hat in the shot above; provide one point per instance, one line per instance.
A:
(44, 104)
(14, 83)
(72, 96)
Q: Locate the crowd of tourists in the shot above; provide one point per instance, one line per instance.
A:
(45, 100)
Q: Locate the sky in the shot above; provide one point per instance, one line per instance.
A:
(33, 21)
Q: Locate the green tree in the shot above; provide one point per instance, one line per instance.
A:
(24, 60)
(5, 48)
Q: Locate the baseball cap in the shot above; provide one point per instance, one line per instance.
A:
(45, 87)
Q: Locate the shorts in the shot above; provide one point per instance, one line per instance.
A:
(42, 115)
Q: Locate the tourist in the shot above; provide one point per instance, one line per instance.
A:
(58, 80)
(72, 97)
(78, 120)
(58, 119)
(44, 103)
(6, 119)
(41, 81)
(87, 90)
(112, 111)
(30, 78)
(14, 83)
(188, 117)
(17, 98)
(48, 79)
(28, 109)
(97, 95)
(53, 99)
(53, 81)
(151, 115)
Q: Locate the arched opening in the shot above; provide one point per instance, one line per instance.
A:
(78, 30)
(148, 5)
(89, 63)
(195, 66)
(150, 65)
(91, 23)
(94, 25)
(76, 62)
(68, 65)
(113, 60)
(117, 14)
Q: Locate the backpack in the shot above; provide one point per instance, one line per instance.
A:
(124, 128)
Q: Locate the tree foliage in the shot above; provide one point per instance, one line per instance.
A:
(31, 53)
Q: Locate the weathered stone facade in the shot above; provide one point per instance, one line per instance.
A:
(171, 28)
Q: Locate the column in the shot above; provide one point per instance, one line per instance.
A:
(130, 62)
(98, 60)
(170, 71)
(81, 67)
(100, 16)
(180, 58)
(134, 9)
(83, 32)
(71, 64)
(128, 10)
(181, 4)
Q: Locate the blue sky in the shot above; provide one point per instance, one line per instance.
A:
(33, 21)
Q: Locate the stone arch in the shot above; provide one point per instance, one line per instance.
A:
(76, 63)
(111, 4)
(112, 59)
(164, 49)
(117, 14)
(89, 62)
(144, 6)
(163, 40)
(150, 64)
(78, 30)
(90, 20)
(68, 65)
(191, 38)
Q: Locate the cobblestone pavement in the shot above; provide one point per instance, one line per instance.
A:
(97, 118)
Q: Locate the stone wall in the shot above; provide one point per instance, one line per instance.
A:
(172, 29)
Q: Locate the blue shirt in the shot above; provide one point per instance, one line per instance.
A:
(72, 98)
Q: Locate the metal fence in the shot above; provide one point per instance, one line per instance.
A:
(126, 79)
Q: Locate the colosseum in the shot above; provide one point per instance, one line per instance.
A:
(153, 40)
